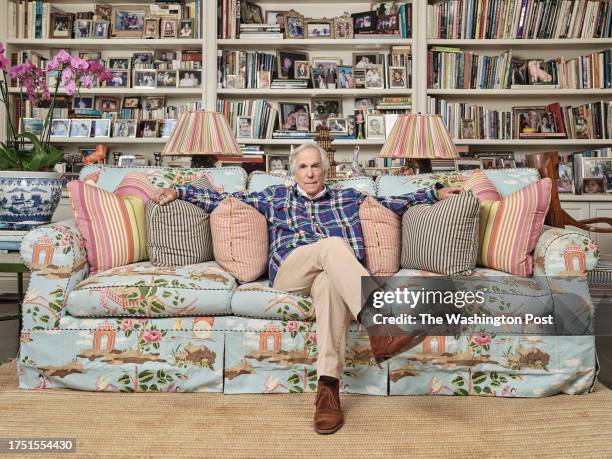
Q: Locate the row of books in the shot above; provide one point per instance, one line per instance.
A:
(263, 115)
(469, 121)
(452, 68)
(477, 19)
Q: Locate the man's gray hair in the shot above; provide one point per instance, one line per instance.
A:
(304, 147)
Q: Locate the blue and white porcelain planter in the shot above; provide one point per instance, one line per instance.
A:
(28, 199)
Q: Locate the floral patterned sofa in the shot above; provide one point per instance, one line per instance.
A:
(193, 328)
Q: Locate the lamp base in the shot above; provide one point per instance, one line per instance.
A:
(203, 161)
(424, 166)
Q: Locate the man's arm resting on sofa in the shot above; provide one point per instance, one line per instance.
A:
(562, 252)
(209, 199)
(56, 256)
(399, 204)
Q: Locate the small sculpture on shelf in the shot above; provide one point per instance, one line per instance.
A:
(324, 139)
(356, 169)
(158, 158)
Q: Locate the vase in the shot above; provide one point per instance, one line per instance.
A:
(28, 199)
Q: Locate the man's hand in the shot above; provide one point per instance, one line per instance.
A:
(449, 191)
(164, 196)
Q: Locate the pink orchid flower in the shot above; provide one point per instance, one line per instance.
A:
(78, 64)
(86, 82)
(70, 88)
(4, 61)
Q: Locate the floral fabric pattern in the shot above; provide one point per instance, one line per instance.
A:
(258, 299)
(561, 252)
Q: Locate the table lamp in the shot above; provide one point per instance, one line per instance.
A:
(421, 137)
(202, 135)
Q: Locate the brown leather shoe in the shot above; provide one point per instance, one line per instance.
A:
(384, 345)
(328, 416)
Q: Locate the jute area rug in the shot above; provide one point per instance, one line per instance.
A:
(258, 426)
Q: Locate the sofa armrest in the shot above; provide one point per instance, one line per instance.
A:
(562, 252)
(57, 257)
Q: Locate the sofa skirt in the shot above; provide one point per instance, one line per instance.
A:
(238, 355)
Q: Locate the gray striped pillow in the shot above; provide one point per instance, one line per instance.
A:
(179, 232)
(443, 237)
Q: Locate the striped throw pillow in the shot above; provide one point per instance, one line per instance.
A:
(442, 237)
(482, 187)
(510, 228)
(112, 225)
(382, 238)
(240, 239)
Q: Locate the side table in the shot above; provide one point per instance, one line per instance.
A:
(11, 263)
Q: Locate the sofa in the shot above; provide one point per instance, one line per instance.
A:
(140, 327)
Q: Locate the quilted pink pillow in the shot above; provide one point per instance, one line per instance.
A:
(382, 238)
(240, 239)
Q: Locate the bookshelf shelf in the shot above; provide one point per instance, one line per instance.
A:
(536, 142)
(298, 141)
(312, 92)
(110, 140)
(112, 43)
(522, 43)
(135, 91)
(519, 92)
(585, 197)
(312, 43)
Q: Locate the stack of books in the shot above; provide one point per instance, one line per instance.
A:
(289, 84)
(394, 103)
(299, 135)
(248, 31)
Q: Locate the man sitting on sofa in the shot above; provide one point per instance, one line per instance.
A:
(316, 248)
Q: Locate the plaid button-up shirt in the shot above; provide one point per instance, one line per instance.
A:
(296, 220)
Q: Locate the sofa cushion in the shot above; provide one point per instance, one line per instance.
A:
(382, 238)
(144, 290)
(258, 299)
(482, 187)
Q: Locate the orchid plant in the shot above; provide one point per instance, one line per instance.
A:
(73, 73)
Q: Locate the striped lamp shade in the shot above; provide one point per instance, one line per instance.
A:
(202, 133)
(421, 137)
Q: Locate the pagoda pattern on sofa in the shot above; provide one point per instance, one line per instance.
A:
(193, 328)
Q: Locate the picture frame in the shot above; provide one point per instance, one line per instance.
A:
(155, 103)
(185, 28)
(488, 162)
(397, 77)
(302, 122)
(142, 58)
(301, 70)
(565, 181)
(388, 24)
(467, 164)
(144, 79)
(83, 103)
(168, 27)
(251, 13)
(374, 76)
(127, 21)
(346, 79)
(103, 11)
(278, 164)
(164, 56)
(60, 128)
(100, 29)
(89, 155)
(166, 127)
(375, 126)
(119, 79)
(535, 122)
(125, 128)
(189, 78)
(294, 24)
(151, 27)
(90, 55)
(468, 130)
(276, 17)
(32, 125)
(101, 128)
(131, 102)
(360, 62)
(166, 78)
(126, 161)
(60, 25)
(82, 28)
(504, 163)
(147, 129)
(344, 169)
(119, 63)
(343, 26)
(319, 28)
(364, 22)
(244, 127)
(325, 108)
(80, 128)
(593, 185)
(263, 79)
(324, 72)
(108, 104)
(364, 103)
(337, 125)
(316, 122)
(287, 113)
(518, 72)
(384, 8)
(285, 62)
(598, 167)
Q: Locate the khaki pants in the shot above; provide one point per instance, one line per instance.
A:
(330, 273)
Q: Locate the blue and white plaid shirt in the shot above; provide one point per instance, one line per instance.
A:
(296, 220)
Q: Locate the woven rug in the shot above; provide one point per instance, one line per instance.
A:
(216, 425)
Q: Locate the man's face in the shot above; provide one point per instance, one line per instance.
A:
(309, 172)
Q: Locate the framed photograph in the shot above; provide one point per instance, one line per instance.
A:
(384, 8)
(346, 80)
(80, 128)
(100, 29)
(593, 186)
(131, 102)
(168, 27)
(364, 103)
(374, 76)
(364, 22)
(124, 128)
(337, 125)
(263, 79)
(103, 11)
(119, 79)
(319, 28)
(166, 78)
(119, 63)
(108, 103)
(344, 169)
(535, 122)
(278, 163)
(89, 155)
(244, 127)
(506, 163)
(151, 27)
(165, 56)
(276, 17)
(488, 162)
(82, 28)
(294, 24)
(388, 24)
(61, 25)
(128, 20)
(166, 127)
(326, 108)
(540, 72)
(147, 129)
(155, 103)
(32, 125)
(83, 102)
(126, 161)
(189, 78)
(144, 79)
(360, 62)
(518, 72)
(598, 168)
(60, 128)
(90, 55)
(288, 114)
(186, 28)
(565, 182)
(301, 70)
(581, 124)
(251, 13)
(286, 63)
(325, 70)
(302, 122)
(142, 58)
(101, 128)
(397, 77)
(343, 26)
(468, 130)
(350, 126)
(52, 77)
(375, 127)
(467, 164)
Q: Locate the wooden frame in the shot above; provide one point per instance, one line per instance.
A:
(323, 22)
(67, 33)
(343, 26)
(140, 9)
(294, 19)
(151, 27)
(165, 31)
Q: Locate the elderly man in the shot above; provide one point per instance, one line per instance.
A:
(316, 248)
